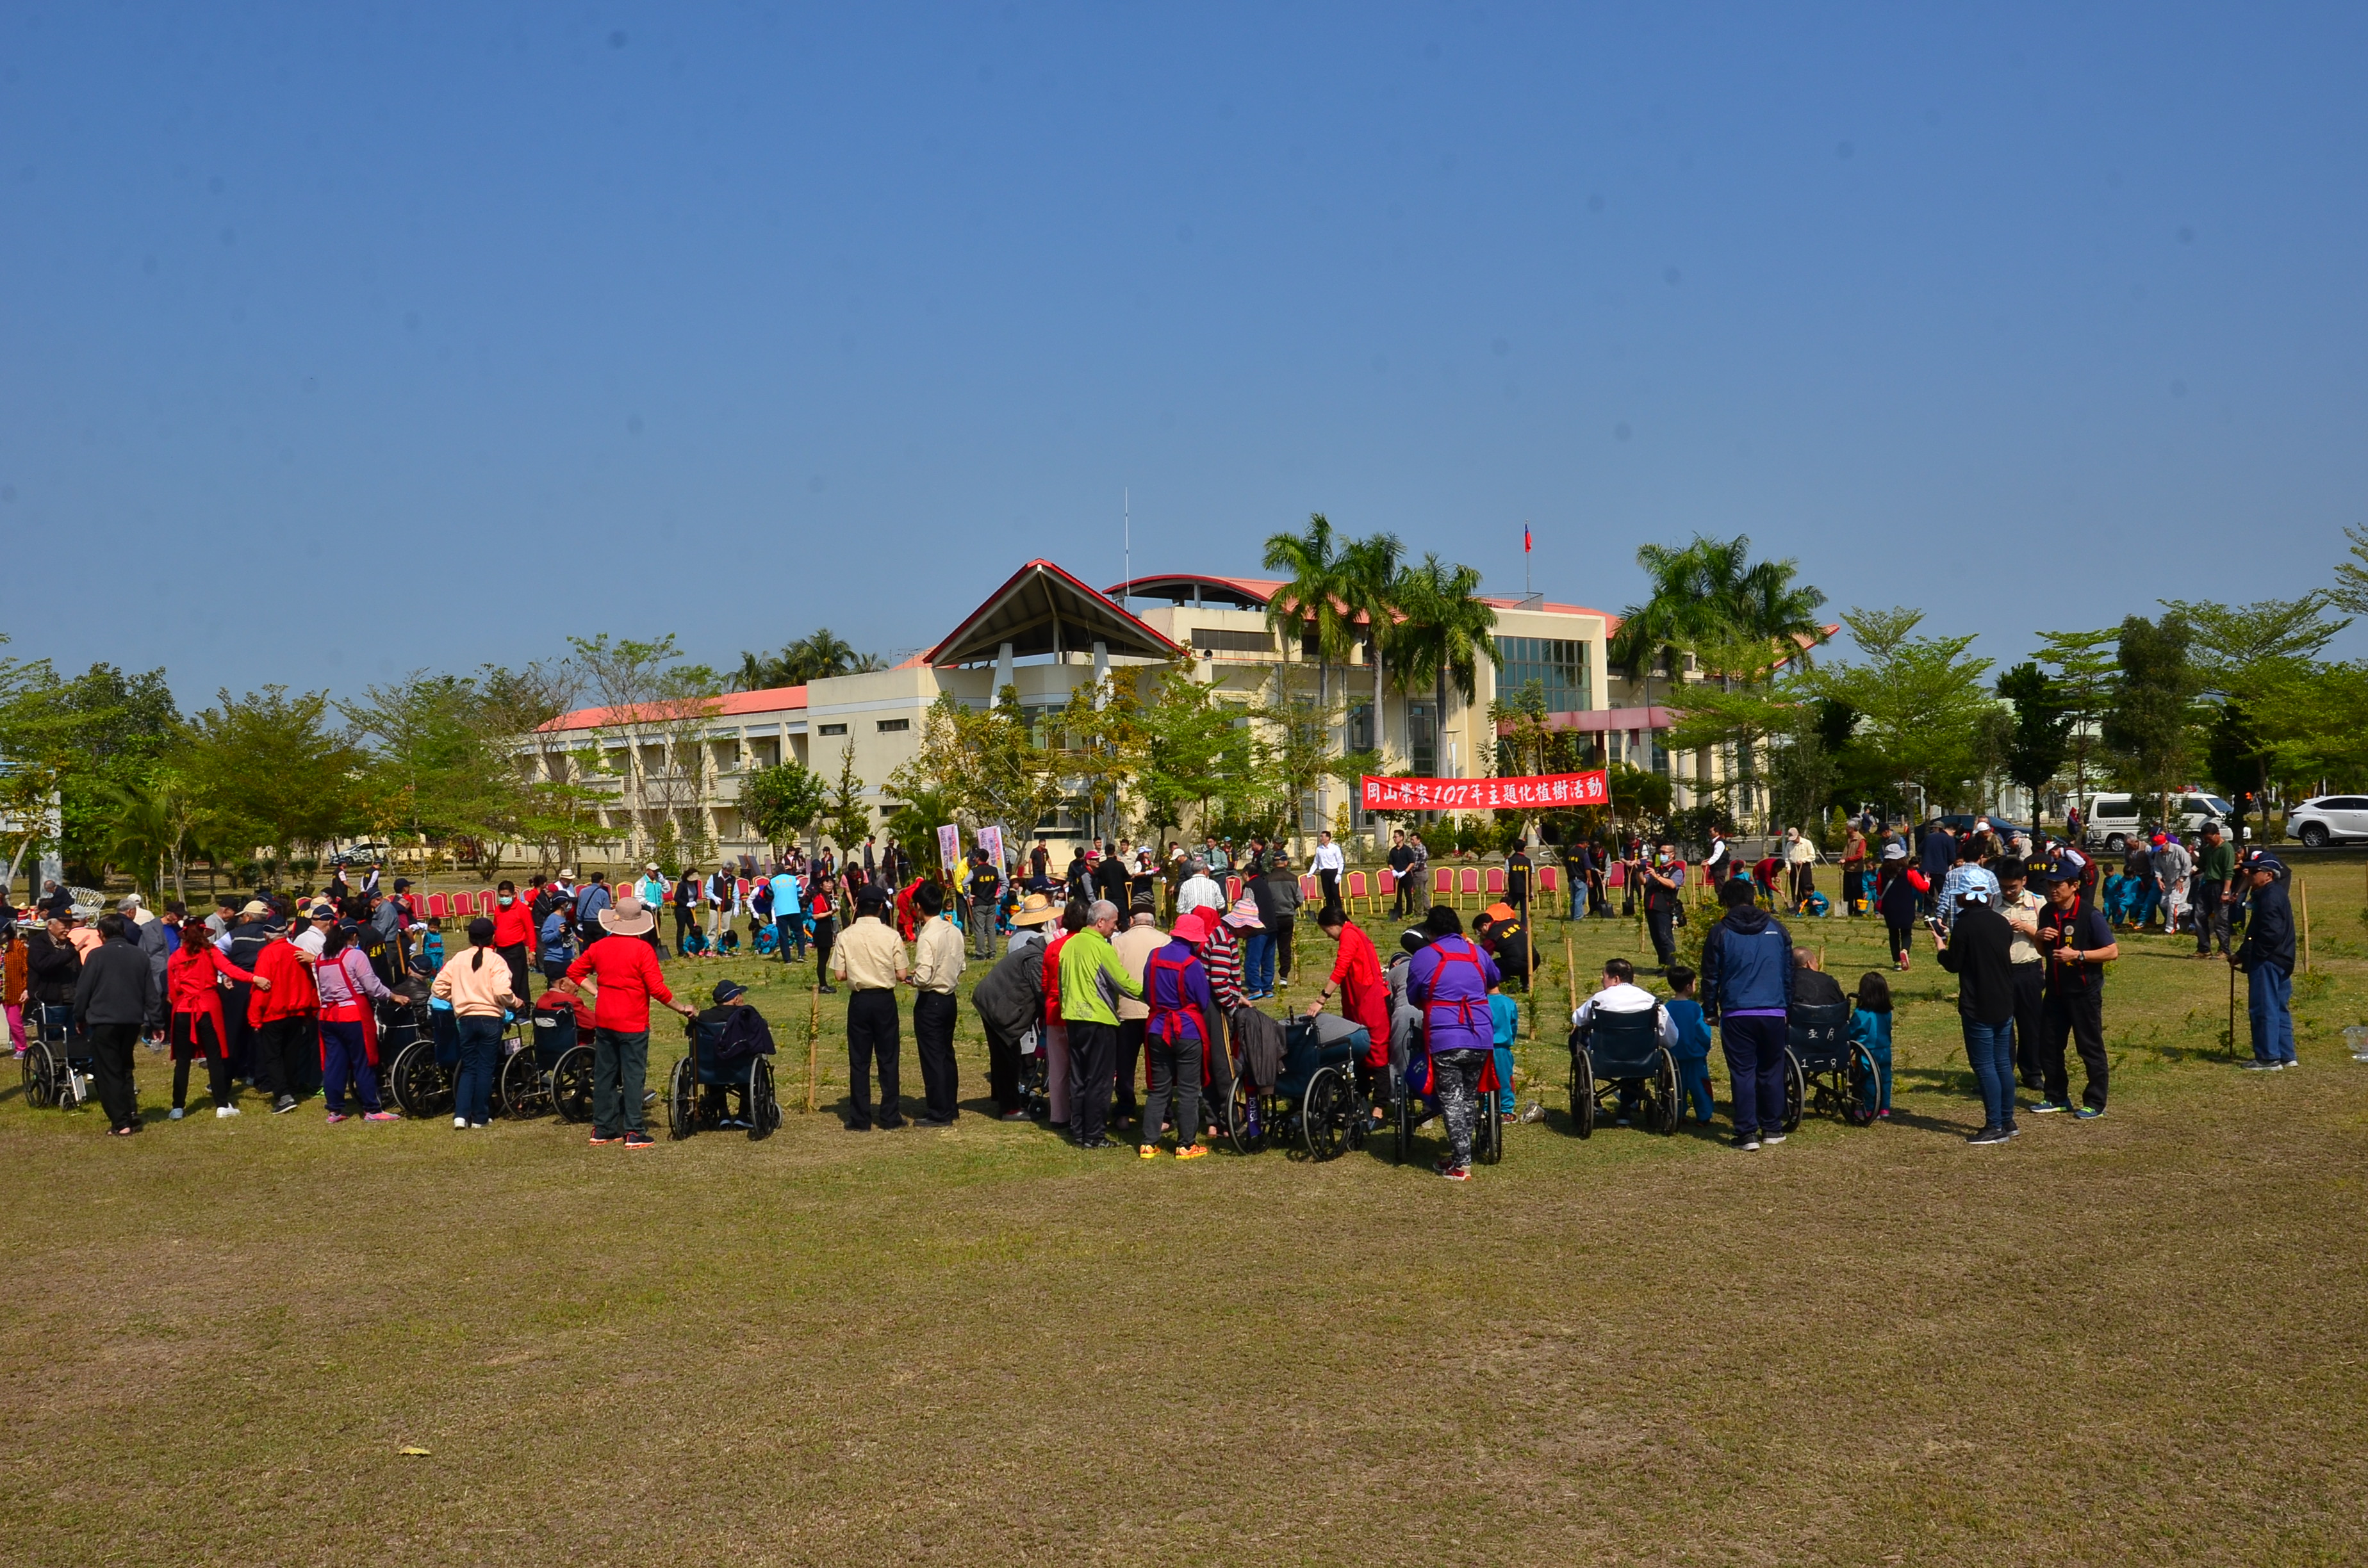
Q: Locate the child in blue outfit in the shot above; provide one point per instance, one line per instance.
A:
(1871, 1027)
(1693, 1043)
(1505, 1014)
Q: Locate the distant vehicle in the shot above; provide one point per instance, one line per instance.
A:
(359, 855)
(2113, 820)
(2329, 819)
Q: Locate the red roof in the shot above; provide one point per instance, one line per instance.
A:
(1004, 615)
(777, 699)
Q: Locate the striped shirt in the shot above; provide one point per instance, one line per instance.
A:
(1221, 956)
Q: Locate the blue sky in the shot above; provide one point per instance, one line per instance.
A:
(338, 341)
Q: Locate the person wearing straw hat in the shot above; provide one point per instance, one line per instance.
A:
(1010, 1002)
(625, 977)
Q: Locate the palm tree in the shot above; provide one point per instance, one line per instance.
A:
(818, 655)
(1442, 630)
(1315, 598)
(1709, 594)
(1368, 581)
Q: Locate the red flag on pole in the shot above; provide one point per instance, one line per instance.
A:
(1525, 539)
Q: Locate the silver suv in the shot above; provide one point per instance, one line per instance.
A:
(2329, 818)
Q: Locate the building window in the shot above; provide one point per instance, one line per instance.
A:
(833, 730)
(1212, 639)
(1422, 740)
(1311, 813)
(1360, 726)
(890, 726)
(1557, 664)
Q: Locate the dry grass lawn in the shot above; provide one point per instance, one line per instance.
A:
(2137, 1339)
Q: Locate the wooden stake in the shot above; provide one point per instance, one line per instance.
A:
(2232, 1012)
(2303, 887)
(1530, 939)
(814, 1033)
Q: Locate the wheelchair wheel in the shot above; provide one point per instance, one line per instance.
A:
(1248, 1133)
(1864, 1087)
(1665, 1096)
(1582, 1091)
(421, 1086)
(1795, 1090)
(1402, 1114)
(571, 1085)
(1324, 1114)
(40, 1073)
(1489, 1132)
(682, 1099)
(764, 1110)
(524, 1090)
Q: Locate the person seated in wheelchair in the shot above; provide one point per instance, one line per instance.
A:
(1619, 994)
(728, 1035)
(1813, 987)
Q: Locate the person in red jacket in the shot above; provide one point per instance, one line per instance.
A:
(285, 1017)
(1364, 994)
(1056, 1030)
(514, 934)
(195, 1028)
(625, 977)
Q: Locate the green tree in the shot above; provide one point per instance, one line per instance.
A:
(271, 771)
(2042, 729)
(1917, 700)
(847, 818)
(436, 774)
(993, 764)
(2240, 653)
(2151, 726)
(1196, 753)
(783, 802)
(1368, 578)
(818, 655)
(1443, 630)
(2351, 590)
(1708, 598)
(2085, 678)
(652, 734)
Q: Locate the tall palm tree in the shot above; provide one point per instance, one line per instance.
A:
(1313, 600)
(1443, 630)
(1368, 585)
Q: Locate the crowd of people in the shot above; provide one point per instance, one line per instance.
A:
(1133, 964)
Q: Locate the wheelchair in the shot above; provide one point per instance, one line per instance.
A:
(57, 1065)
(420, 1073)
(1315, 1097)
(699, 1092)
(1617, 1050)
(1412, 1104)
(551, 1071)
(1035, 1075)
(1826, 1069)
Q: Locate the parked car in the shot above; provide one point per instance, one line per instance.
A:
(359, 855)
(2329, 819)
(2112, 821)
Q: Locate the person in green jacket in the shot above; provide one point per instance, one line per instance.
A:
(1092, 980)
(2214, 867)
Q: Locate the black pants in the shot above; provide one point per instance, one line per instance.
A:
(1902, 937)
(1002, 1068)
(2080, 1017)
(2210, 916)
(192, 1035)
(289, 1057)
(110, 1053)
(1330, 883)
(873, 1035)
(1175, 1069)
(240, 1043)
(1129, 1053)
(933, 1042)
(2030, 1023)
(1399, 906)
(826, 931)
(1093, 1048)
(1658, 923)
(685, 923)
(514, 955)
(1278, 927)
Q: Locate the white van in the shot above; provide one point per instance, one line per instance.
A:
(2111, 821)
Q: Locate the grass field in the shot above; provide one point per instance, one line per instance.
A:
(2138, 1339)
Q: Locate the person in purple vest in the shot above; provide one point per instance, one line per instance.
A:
(1448, 980)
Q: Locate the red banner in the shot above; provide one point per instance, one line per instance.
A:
(1545, 791)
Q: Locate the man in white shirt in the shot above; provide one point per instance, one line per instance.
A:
(314, 937)
(1200, 891)
(1622, 995)
(1329, 863)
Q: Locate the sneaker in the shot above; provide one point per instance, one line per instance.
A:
(478, 1126)
(1190, 1152)
(2088, 1113)
(1885, 1114)
(1096, 1143)
(459, 1124)
(1015, 1116)
(1746, 1142)
(2289, 1061)
(337, 1116)
(1457, 1173)
(2046, 1108)
(283, 1105)
(599, 1139)
(2259, 1066)
(2013, 1131)
(223, 1110)
(1147, 1152)
(174, 1115)
(1771, 1138)
(638, 1141)
(384, 1116)
(1989, 1135)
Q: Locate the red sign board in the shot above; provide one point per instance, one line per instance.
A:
(1545, 791)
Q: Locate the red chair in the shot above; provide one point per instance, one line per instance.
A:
(1354, 888)
(1496, 881)
(1389, 883)
(1310, 889)
(438, 907)
(463, 906)
(1233, 890)
(1443, 887)
(1467, 884)
(1550, 879)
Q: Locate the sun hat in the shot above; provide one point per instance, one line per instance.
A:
(1244, 913)
(1036, 910)
(1193, 926)
(254, 906)
(628, 918)
(1895, 850)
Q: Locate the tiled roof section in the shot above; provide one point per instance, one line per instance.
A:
(777, 699)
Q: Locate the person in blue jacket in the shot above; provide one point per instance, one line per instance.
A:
(1871, 1027)
(1692, 1050)
(1747, 980)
